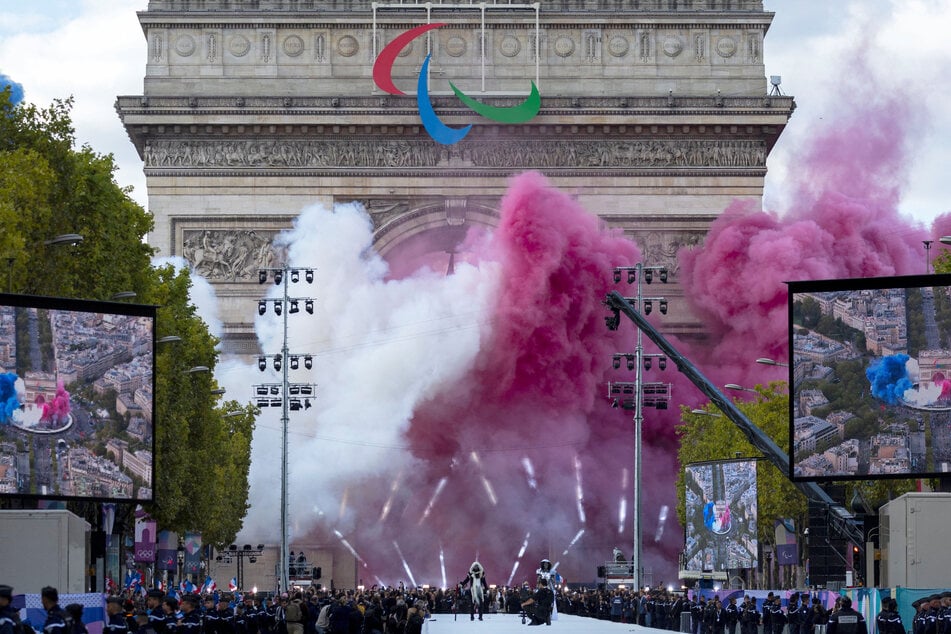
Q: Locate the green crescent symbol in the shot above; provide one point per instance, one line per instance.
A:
(513, 114)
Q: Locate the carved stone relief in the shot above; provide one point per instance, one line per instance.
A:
(644, 46)
(618, 46)
(726, 47)
(348, 46)
(660, 248)
(185, 45)
(564, 46)
(509, 46)
(212, 46)
(249, 154)
(383, 210)
(228, 255)
(320, 47)
(239, 45)
(157, 45)
(673, 46)
(293, 45)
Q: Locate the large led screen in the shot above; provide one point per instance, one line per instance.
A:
(871, 378)
(721, 515)
(76, 385)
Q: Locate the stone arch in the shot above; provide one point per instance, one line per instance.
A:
(427, 232)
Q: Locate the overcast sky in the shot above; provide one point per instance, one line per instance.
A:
(95, 50)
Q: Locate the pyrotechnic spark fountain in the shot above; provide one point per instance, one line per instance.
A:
(343, 504)
(530, 473)
(512, 575)
(579, 491)
(490, 491)
(409, 573)
(432, 501)
(573, 541)
(621, 514)
(442, 566)
(524, 547)
(389, 500)
(350, 548)
(485, 481)
(661, 521)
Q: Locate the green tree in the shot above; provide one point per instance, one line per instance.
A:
(48, 188)
(203, 451)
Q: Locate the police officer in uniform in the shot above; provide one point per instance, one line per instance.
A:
(918, 621)
(888, 621)
(154, 602)
(9, 618)
(732, 615)
(55, 619)
(116, 622)
(794, 615)
(225, 615)
(749, 617)
(209, 616)
(190, 622)
(847, 620)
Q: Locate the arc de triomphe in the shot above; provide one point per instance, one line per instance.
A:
(655, 114)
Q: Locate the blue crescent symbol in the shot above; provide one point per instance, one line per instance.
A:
(439, 131)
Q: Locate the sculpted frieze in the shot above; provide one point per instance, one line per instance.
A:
(556, 153)
(227, 255)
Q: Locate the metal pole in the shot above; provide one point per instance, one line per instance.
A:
(638, 420)
(285, 361)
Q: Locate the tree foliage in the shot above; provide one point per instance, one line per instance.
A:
(49, 188)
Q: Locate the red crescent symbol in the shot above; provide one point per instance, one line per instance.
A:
(383, 66)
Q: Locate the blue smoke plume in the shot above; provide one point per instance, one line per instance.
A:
(889, 378)
(16, 90)
(8, 396)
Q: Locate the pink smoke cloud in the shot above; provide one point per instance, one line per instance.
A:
(57, 409)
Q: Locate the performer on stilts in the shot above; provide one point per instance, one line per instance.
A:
(546, 572)
(478, 589)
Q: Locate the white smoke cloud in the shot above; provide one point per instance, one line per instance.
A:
(201, 294)
(380, 347)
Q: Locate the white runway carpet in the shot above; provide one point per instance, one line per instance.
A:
(512, 624)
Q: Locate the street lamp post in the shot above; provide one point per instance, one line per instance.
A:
(284, 306)
(644, 394)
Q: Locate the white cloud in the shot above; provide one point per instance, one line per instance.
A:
(95, 56)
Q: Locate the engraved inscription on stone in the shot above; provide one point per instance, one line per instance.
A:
(618, 46)
(726, 46)
(227, 255)
(185, 45)
(673, 46)
(239, 45)
(564, 46)
(165, 154)
(455, 46)
(510, 46)
(348, 46)
(293, 45)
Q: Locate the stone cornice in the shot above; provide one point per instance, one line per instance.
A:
(299, 22)
(385, 104)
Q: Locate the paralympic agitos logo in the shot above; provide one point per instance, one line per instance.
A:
(439, 131)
